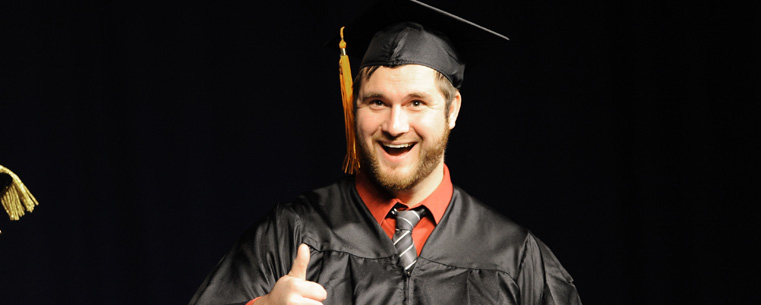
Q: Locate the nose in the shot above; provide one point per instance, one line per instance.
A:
(397, 123)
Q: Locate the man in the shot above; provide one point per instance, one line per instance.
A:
(398, 232)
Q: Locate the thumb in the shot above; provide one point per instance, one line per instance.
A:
(300, 263)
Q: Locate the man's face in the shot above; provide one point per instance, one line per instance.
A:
(402, 126)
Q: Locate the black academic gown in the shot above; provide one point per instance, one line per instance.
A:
(473, 256)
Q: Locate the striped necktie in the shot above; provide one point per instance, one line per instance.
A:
(405, 221)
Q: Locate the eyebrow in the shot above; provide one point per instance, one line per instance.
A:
(420, 95)
(371, 95)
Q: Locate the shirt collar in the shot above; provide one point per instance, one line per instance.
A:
(380, 202)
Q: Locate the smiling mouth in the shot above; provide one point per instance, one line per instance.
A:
(397, 149)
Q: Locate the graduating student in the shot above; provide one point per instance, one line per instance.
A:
(396, 231)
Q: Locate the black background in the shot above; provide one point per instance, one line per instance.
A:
(622, 133)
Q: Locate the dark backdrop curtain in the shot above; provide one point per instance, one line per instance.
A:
(154, 133)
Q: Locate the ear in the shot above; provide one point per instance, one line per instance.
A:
(454, 109)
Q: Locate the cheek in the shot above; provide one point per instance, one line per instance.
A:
(367, 124)
(430, 124)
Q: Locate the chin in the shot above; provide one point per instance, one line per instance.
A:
(396, 179)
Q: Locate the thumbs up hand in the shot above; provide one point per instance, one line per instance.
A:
(300, 263)
(293, 288)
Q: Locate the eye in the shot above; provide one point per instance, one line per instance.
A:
(375, 103)
(417, 103)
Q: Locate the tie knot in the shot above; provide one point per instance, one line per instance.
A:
(406, 220)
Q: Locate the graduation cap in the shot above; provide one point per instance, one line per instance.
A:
(396, 32)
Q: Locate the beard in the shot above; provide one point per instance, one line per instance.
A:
(428, 159)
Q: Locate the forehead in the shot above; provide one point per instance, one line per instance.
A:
(401, 79)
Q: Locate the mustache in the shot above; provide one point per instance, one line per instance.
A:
(384, 136)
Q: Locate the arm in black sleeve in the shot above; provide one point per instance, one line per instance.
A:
(542, 280)
(262, 255)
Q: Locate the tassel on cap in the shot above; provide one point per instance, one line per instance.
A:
(351, 161)
(14, 196)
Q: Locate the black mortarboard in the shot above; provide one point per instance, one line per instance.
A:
(396, 32)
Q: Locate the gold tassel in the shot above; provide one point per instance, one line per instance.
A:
(15, 197)
(351, 162)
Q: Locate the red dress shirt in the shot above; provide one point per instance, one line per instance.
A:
(380, 204)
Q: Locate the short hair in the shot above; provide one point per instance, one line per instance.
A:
(445, 86)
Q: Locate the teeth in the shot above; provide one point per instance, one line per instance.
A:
(398, 145)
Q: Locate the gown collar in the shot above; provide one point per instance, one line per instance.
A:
(380, 202)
